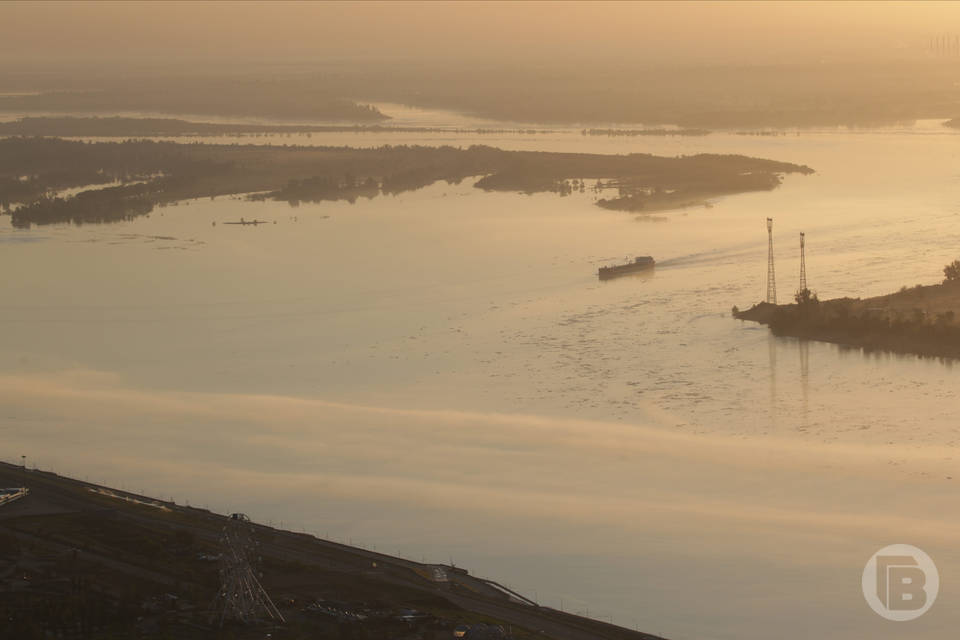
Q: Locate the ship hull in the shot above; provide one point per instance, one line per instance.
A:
(606, 273)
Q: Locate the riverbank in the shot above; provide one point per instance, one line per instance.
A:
(922, 320)
(116, 564)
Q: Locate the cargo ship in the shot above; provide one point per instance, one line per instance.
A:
(640, 263)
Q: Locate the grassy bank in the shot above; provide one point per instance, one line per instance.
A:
(922, 320)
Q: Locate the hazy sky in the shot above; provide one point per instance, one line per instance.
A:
(685, 31)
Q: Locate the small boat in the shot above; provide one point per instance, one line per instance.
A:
(242, 221)
(640, 263)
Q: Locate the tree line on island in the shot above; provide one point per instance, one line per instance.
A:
(32, 170)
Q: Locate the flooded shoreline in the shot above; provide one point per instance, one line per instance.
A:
(320, 352)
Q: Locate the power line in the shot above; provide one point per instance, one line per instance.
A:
(241, 596)
(803, 262)
(771, 275)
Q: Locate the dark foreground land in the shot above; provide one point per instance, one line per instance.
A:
(81, 561)
(922, 320)
(149, 174)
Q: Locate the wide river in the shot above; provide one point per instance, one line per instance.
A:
(441, 375)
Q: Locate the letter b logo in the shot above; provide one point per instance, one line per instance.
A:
(900, 582)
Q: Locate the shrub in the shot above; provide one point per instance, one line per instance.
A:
(952, 271)
(806, 297)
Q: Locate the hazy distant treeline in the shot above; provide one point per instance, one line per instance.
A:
(32, 168)
(251, 97)
(116, 126)
(746, 96)
(709, 96)
(631, 133)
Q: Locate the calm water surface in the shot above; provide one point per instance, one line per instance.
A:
(440, 374)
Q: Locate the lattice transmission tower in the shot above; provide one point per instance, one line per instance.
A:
(771, 275)
(803, 262)
(241, 597)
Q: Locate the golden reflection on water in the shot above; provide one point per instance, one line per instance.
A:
(442, 371)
